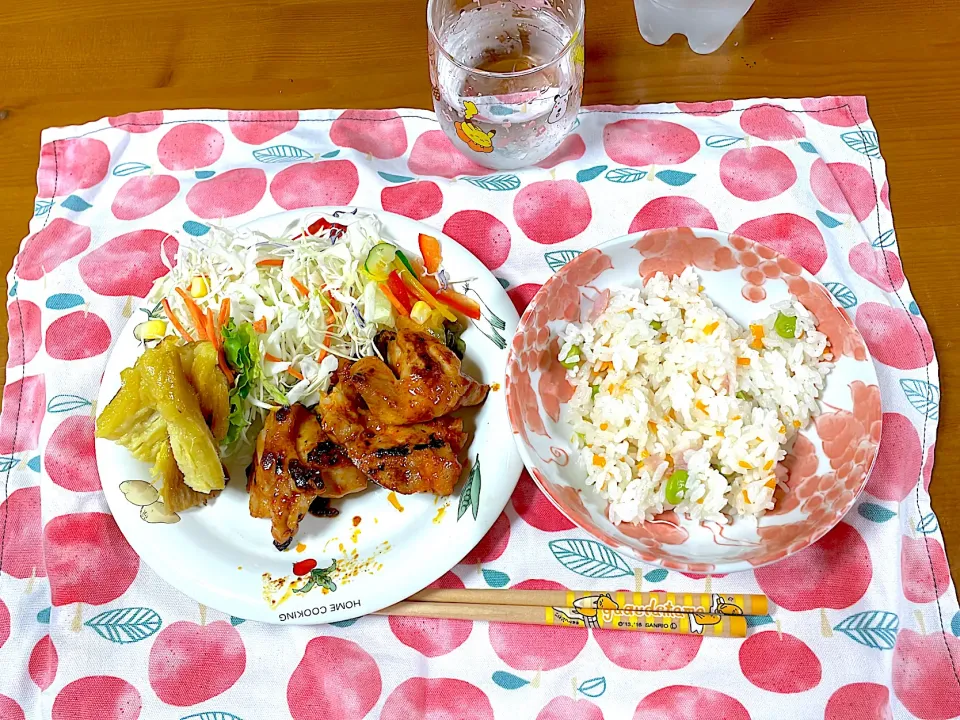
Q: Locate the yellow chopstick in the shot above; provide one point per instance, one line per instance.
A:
(707, 624)
(661, 602)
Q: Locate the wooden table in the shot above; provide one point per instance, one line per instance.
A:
(63, 63)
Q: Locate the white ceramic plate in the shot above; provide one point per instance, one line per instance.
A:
(220, 556)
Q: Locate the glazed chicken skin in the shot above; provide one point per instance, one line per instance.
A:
(294, 464)
(421, 457)
(420, 380)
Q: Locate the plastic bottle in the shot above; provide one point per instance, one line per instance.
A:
(705, 23)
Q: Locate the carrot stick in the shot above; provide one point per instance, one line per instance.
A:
(212, 334)
(270, 262)
(300, 286)
(397, 305)
(271, 358)
(175, 321)
(224, 311)
(226, 369)
(323, 351)
(196, 314)
(261, 325)
(296, 373)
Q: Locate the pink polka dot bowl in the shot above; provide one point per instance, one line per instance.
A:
(822, 475)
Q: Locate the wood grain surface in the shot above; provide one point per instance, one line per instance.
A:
(64, 62)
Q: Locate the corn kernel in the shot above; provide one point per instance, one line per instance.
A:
(199, 287)
(151, 330)
(420, 312)
(768, 465)
(599, 461)
(708, 329)
(744, 464)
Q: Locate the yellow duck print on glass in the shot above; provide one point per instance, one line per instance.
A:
(475, 138)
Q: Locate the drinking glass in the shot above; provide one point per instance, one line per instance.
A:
(507, 76)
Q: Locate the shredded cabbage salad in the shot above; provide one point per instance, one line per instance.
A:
(293, 303)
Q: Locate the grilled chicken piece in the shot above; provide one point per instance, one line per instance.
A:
(420, 381)
(294, 464)
(406, 458)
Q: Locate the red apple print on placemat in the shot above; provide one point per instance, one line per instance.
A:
(928, 468)
(779, 662)
(493, 543)
(536, 647)
(897, 467)
(924, 679)
(190, 146)
(434, 154)
(923, 569)
(69, 459)
(843, 188)
(99, 697)
(23, 544)
(432, 637)
(436, 699)
(332, 182)
(649, 142)
(859, 701)
(895, 337)
(771, 122)
(90, 559)
(757, 173)
(885, 194)
(259, 126)
(9, 709)
(192, 663)
(47, 249)
(24, 404)
(672, 211)
(790, 235)
(482, 234)
(572, 148)
(376, 132)
(138, 122)
(128, 264)
(76, 336)
(648, 651)
(4, 621)
(881, 267)
(552, 211)
(837, 111)
(23, 330)
(417, 200)
(533, 506)
(43, 662)
(566, 708)
(706, 109)
(336, 678)
(521, 295)
(231, 193)
(142, 196)
(832, 573)
(70, 165)
(676, 702)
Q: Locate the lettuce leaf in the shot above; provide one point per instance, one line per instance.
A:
(243, 353)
